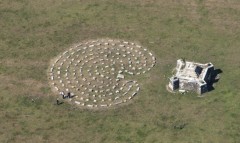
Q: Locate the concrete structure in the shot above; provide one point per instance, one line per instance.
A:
(191, 76)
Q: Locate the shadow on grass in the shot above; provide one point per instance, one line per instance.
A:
(214, 79)
(59, 103)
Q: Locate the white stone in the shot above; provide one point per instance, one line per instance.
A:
(77, 102)
(131, 73)
(134, 94)
(120, 76)
(118, 103)
(89, 105)
(138, 88)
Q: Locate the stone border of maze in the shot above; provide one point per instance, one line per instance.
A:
(94, 72)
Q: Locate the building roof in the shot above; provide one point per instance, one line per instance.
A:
(191, 71)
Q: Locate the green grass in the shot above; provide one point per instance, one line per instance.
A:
(34, 32)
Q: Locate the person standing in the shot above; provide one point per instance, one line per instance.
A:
(62, 94)
(58, 101)
(69, 95)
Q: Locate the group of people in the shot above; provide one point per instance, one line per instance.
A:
(64, 96)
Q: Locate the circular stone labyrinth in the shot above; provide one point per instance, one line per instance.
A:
(94, 72)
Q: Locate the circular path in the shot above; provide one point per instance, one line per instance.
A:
(94, 72)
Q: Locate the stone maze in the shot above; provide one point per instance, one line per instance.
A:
(94, 72)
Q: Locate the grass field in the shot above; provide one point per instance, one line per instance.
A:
(35, 31)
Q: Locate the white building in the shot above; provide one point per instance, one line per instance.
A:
(191, 76)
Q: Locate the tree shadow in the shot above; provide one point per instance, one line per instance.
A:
(215, 77)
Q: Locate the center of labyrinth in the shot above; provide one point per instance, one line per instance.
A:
(95, 72)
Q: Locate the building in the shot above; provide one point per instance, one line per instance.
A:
(190, 76)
